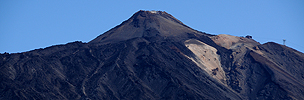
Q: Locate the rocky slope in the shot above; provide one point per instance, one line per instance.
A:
(152, 55)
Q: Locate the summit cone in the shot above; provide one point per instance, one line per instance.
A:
(146, 24)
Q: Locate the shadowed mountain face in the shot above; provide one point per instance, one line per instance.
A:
(152, 55)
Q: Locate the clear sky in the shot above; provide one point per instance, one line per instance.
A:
(32, 24)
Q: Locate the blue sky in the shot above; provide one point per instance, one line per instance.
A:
(32, 24)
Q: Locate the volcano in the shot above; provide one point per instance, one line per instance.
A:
(153, 55)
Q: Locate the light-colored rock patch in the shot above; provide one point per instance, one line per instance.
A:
(225, 40)
(233, 42)
(206, 58)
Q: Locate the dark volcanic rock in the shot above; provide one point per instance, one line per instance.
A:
(153, 55)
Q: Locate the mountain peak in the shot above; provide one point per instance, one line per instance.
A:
(150, 11)
(152, 55)
(154, 13)
(145, 24)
